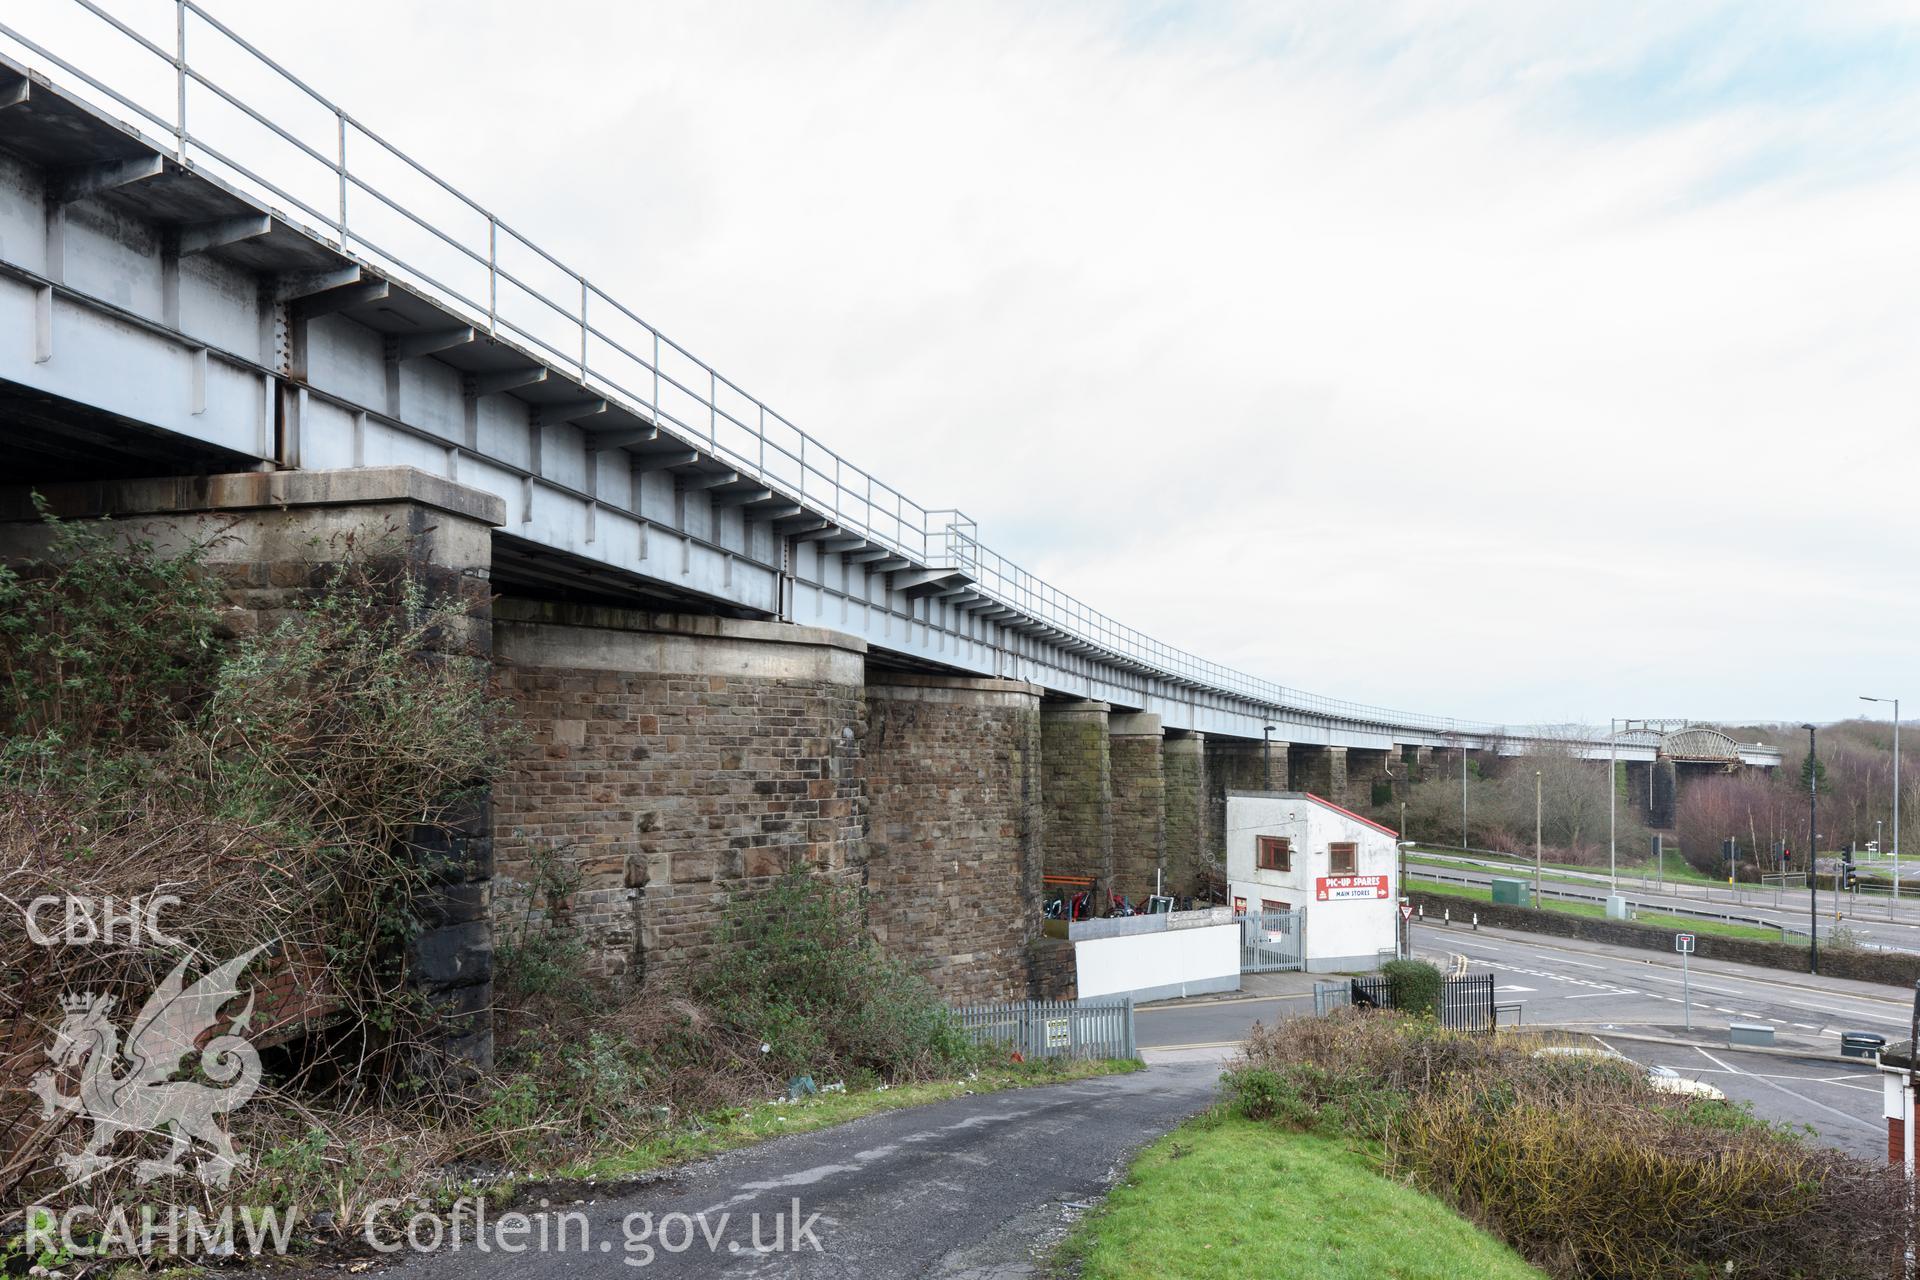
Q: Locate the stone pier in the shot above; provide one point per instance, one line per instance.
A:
(952, 769)
(1237, 764)
(1419, 763)
(1184, 760)
(672, 761)
(1370, 771)
(1320, 770)
(1136, 750)
(1077, 792)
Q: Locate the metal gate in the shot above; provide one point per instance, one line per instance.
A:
(1272, 941)
(1466, 1003)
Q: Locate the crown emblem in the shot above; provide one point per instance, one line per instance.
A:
(78, 1002)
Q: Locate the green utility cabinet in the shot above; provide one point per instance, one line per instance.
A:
(1515, 893)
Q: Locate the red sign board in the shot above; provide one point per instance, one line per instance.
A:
(1349, 888)
(1406, 911)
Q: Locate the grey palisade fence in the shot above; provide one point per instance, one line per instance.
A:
(1054, 1028)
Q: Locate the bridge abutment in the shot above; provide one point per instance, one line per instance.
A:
(1137, 751)
(272, 539)
(671, 762)
(952, 769)
(1663, 804)
(1077, 793)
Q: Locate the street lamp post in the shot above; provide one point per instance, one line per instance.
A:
(1463, 797)
(1896, 789)
(1813, 850)
(1613, 784)
(1536, 840)
(1266, 754)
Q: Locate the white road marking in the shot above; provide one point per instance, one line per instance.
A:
(1847, 1084)
(1515, 989)
(1696, 984)
(1588, 995)
(1732, 1070)
(1851, 1013)
(1563, 960)
(1759, 1075)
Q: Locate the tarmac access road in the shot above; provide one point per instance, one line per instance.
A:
(977, 1187)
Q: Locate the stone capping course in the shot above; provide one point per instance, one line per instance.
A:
(912, 687)
(699, 626)
(1134, 724)
(254, 491)
(1079, 707)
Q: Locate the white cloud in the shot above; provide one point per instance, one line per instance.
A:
(1560, 356)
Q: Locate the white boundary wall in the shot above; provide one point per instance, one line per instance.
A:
(1153, 966)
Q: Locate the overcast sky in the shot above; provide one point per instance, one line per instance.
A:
(1517, 362)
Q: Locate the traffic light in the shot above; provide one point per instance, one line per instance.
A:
(1846, 868)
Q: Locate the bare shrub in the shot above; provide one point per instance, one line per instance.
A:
(1589, 1180)
(1580, 1165)
(272, 785)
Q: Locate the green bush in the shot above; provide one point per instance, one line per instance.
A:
(797, 970)
(563, 1092)
(106, 645)
(1303, 1096)
(1416, 985)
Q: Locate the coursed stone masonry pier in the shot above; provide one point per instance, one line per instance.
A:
(1136, 755)
(1184, 761)
(672, 760)
(1077, 788)
(952, 769)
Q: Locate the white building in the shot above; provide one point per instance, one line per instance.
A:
(1291, 851)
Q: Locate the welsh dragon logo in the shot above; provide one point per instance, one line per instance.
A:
(146, 1098)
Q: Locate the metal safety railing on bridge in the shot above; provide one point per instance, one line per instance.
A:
(328, 171)
(1054, 1028)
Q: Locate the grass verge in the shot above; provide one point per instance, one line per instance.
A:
(1677, 869)
(1718, 928)
(737, 1127)
(1228, 1197)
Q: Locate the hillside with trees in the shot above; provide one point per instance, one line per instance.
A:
(1854, 779)
(1762, 810)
